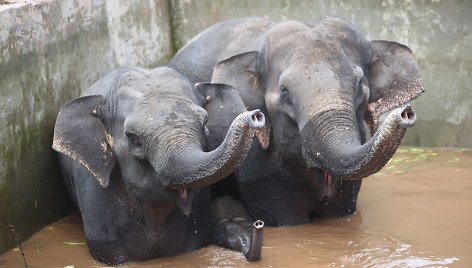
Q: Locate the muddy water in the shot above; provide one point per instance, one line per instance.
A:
(416, 212)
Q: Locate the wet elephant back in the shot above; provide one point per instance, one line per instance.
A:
(197, 59)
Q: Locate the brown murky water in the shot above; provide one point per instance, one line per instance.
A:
(416, 212)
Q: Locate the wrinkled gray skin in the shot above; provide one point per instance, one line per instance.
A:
(316, 85)
(133, 156)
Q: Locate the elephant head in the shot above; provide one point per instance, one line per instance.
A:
(317, 86)
(149, 127)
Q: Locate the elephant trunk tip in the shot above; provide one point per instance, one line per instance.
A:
(255, 119)
(258, 224)
(408, 116)
(255, 248)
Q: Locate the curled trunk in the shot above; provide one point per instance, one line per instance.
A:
(255, 247)
(233, 228)
(191, 167)
(339, 151)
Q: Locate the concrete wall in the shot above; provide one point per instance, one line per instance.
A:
(439, 33)
(49, 52)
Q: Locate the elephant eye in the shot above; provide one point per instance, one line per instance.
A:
(360, 89)
(133, 138)
(362, 94)
(285, 94)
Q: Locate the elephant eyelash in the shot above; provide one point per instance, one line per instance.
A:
(359, 86)
(133, 138)
(283, 89)
(285, 94)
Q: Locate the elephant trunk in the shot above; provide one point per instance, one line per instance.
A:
(255, 248)
(191, 167)
(338, 150)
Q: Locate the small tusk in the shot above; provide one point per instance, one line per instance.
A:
(183, 193)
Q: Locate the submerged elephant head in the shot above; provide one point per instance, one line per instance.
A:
(318, 85)
(149, 127)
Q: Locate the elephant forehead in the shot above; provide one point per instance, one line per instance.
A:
(309, 79)
(187, 108)
(166, 116)
(323, 90)
(306, 40)
(129, 93)
(164, 104)
(159, 81)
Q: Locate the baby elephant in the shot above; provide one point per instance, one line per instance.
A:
(132, 152)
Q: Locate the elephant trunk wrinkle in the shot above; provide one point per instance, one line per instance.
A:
(191, 166)
(343, 156)
(331, 132)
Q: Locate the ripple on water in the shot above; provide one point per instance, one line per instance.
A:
(416, 212)
(386, 256)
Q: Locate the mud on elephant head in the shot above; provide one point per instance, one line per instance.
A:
(318, 85)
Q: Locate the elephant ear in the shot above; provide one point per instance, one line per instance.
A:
(79, 133)
(394, 79)
(223, 105)
(240, 71)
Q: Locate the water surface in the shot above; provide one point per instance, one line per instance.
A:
(416, 212)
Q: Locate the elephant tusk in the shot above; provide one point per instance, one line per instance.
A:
(328, 184)
(328, 178)
(185, 204)
(183, 193)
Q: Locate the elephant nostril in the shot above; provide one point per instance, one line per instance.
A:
(255, 119)
(259, 224)
(258, 117)
(408, 114)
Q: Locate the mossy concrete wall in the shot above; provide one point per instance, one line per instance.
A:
(49, 52)
(52, 50)
(439, 33)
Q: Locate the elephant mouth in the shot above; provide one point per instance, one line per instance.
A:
(184, 200)
(322, 180)
(328, 178)
(328, 184)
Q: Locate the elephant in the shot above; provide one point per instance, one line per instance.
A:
(132, 153)
(320, 87)
(229, 221)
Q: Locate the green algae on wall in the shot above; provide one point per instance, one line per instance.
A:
(32, 192)
(52, 51)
